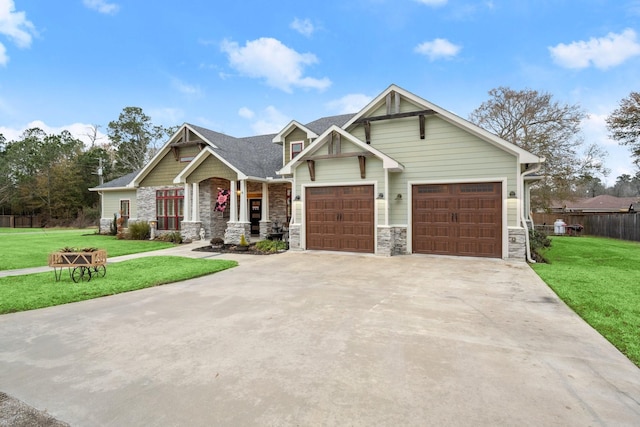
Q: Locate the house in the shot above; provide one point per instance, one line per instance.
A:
(599, 204)
(400, 176)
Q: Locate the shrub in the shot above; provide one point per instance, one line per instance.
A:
(243, 240)
(216, 241)
(139, 230)
(538, 240)
(173, 237)
(113, 227)
(271, 245)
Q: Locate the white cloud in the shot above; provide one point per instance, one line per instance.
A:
(15, 26)
(438, 48)
(246, 113)
(594, 127)
(605, 52)
(80, 131)
(303, 26)
(351, 103)
(281, 66)
(102, 6)
(433, 2)
(270, 121)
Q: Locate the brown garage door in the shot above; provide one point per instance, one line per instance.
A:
(340, 218)
(458, 219)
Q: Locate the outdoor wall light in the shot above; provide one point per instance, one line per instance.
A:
(512, 194)
(380, 196)
(399, 196)
(297, 197)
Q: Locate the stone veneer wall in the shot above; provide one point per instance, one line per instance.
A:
(517, 244)
(146, 203)
(235, 230)
(278, 203)
(217, 221)
(205, 206)
(190, 230)
(105, 226)
(294, 236)
(391, 241)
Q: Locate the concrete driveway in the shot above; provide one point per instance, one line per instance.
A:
(323, 339)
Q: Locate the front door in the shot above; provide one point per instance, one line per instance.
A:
(255, 215)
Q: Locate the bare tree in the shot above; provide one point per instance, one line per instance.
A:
(536, 122)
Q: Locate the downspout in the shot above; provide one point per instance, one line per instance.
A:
(522, 217)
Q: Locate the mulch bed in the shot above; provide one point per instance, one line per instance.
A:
(234, 249)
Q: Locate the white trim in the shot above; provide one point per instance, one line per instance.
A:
(303, 220)
(291, 156)
(279, 138)
(182, 177)
(162, 152)
(387, 162)
(522, 155)
(505, 220)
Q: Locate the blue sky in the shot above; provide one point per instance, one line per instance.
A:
(249, 67)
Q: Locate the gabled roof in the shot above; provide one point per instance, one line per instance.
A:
(523, 155)
(387, 162)
(252, 156)
(314, 128)
(118, 183)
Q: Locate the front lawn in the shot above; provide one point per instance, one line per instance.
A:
(20, 293)
(599, 279)
(30, 248)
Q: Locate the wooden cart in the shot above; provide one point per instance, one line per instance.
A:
(82, 265)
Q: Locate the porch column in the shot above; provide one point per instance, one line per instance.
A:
(243, 201)
(187, 203)
(195, 200)
(265, 201)
(233, 209)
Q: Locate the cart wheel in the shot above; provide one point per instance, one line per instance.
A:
(77, 274)
(100, 270)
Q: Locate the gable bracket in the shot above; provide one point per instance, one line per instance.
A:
(395, 116)
(422, 120)
(311, 164)
(362, 161)
(176, 152)
(367, 131)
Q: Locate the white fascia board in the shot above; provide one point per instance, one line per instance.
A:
(523, 155)
(111, 189)
(181, 178)
(161, 153)
(387, 162)
(279, 138)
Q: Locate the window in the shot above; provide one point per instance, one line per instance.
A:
(169, 209)
(125, 212)
(296, 148)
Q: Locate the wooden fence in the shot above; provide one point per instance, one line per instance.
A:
(616, 226)
(17, 221)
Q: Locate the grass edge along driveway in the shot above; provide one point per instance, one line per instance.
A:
(31, 247)
(599, 279)
(28, 292)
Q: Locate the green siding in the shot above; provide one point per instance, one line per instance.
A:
(295, 135)
(212, 167)
(168, 168)
(447, 153)
(111, 202)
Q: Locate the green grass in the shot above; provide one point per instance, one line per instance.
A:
(20, 293)
(31, 248)
(600, 280)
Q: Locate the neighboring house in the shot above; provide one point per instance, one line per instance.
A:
(400, 176)
(599, 204)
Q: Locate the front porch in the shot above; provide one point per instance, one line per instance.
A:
(228, 209)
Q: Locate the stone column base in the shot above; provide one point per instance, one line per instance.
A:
(391, 241)
(235, 230)
(294, 236)
(190, 230)
(517, 244)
